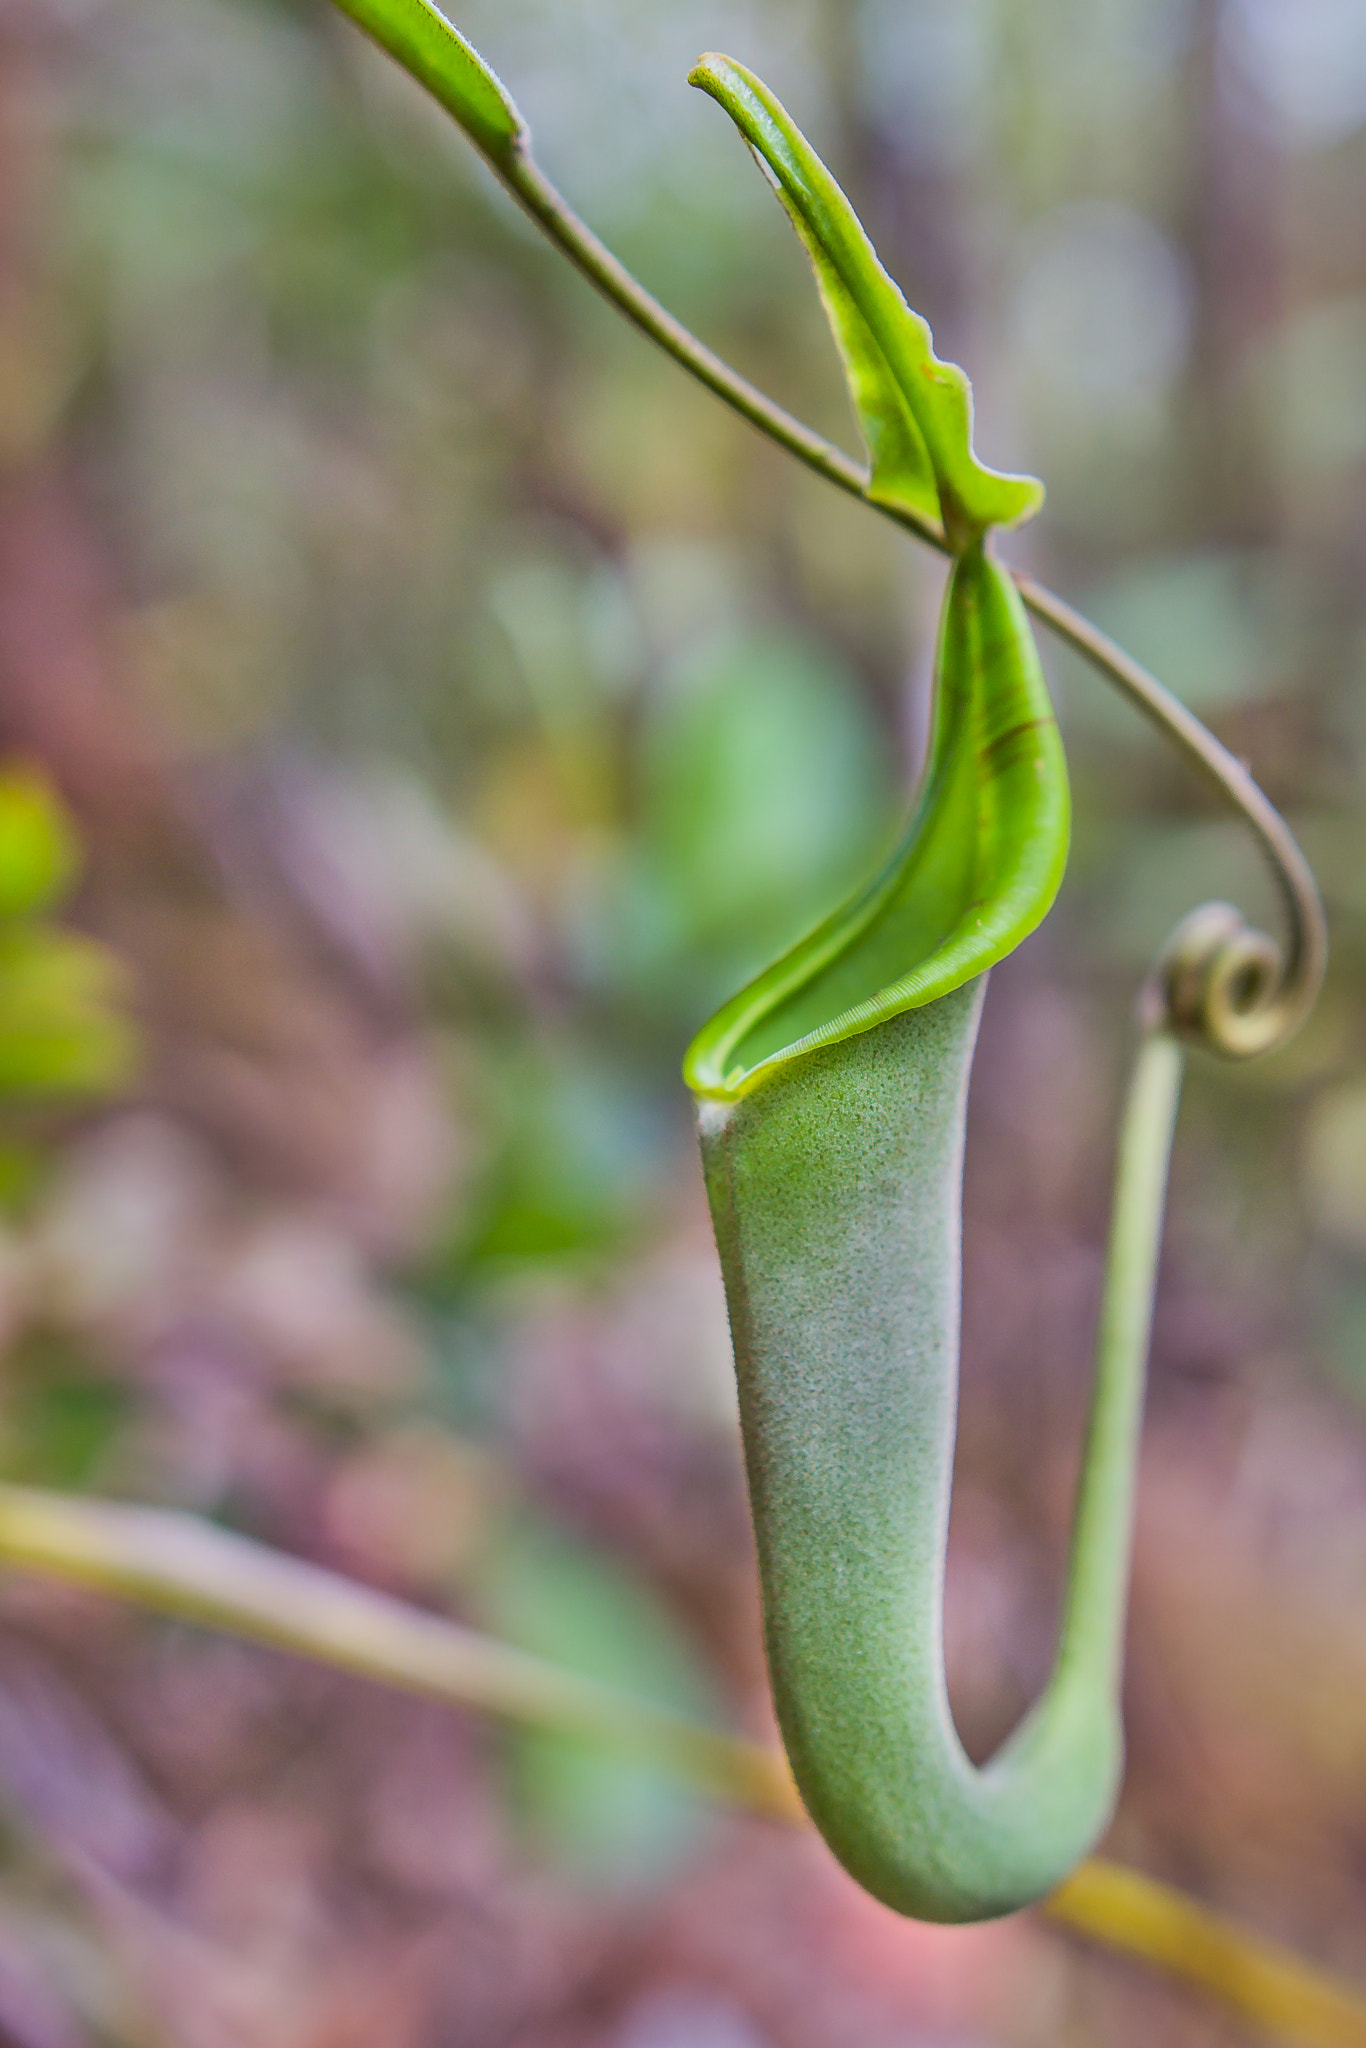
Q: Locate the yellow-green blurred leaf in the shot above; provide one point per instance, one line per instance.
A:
(62, 1031)
(39, 853)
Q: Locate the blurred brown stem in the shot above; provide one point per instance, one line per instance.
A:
(186, 1568)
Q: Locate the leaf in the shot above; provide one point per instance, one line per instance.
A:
(61, 1428)
(62, 1032)
(915, 411)
(39, 855)
(761, 777)
(611, 1818)
(567, 1159)
(976, 869)
(426, 44)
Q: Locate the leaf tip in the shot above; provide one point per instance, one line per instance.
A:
(709, 72)
(420, 37)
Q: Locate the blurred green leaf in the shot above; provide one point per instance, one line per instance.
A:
(764, 790)
(572, 1150)
(61, 1032)
(39, 854)
(915, 411)
(607, 1818)
(1218, 627)
(57, 1430)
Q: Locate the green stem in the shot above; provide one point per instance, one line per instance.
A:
(187, 1569)
(198, 1573)
(1306, 956)
(1093, 1619)
(552, 213)
(1225, 987)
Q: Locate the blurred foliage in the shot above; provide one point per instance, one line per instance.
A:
(61, 1033)
(580, 1609)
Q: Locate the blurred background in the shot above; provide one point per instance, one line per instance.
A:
(451, 704)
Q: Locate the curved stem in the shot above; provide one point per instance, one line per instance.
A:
(1265, 1986)
(1102, 1530)
(1307, 954)
(195, 1572)
(177, 1565)
(1278, 1010)
(843, 1168)
(552, 213)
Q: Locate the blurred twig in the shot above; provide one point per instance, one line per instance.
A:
(1263, 1984)
(187, 1568)
(198, 1573)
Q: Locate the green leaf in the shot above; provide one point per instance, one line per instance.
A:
(58, 1430)
(39, 855)
(426, 44)
(61, 1029)
(977, 868)
(567, 1159)
(915, 411)
(763, 782)
(610, 1818)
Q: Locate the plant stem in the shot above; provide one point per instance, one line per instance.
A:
(1306, 955)
(188, 1569)
(1102, 1531)
(198, 1573)
(553, 214)
(1261, 1983)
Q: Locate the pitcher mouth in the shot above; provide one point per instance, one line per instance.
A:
(975, 870)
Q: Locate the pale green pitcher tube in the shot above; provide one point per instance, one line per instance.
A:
(835, 1189)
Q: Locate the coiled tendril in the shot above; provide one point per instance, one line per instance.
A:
(1218, 983)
